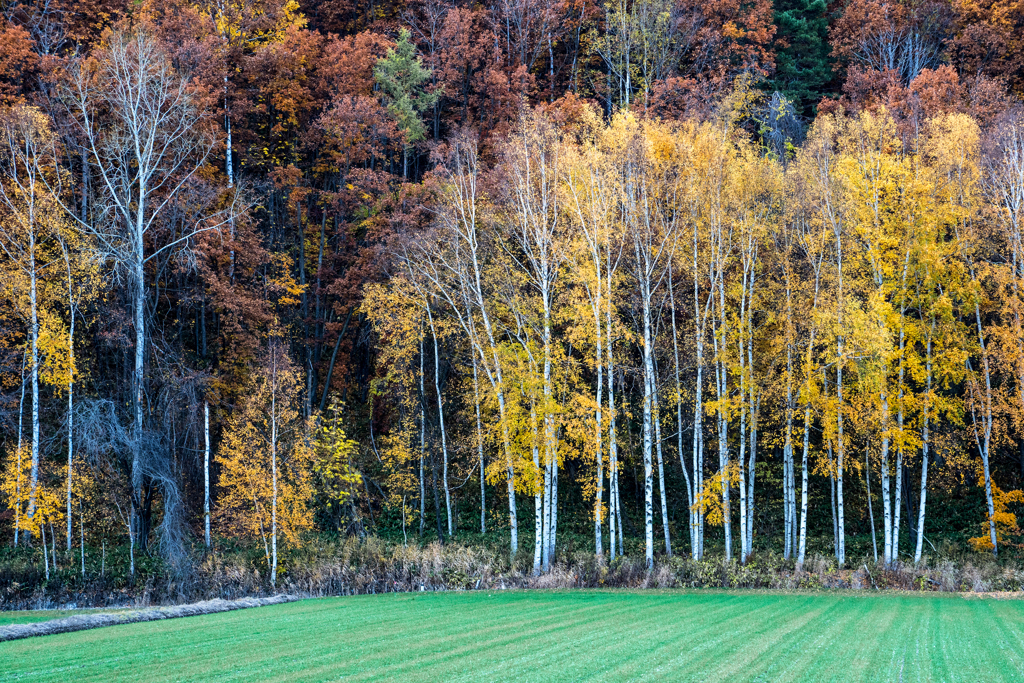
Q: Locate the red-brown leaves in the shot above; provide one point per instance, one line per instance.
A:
(17, 61)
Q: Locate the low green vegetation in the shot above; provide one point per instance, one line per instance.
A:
(32, 616)
(554, 636)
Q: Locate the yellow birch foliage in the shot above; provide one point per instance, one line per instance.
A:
(398, 318)
(1006, 521)
(709, 498)
(335, 476)
(246, 478)
(14, 485)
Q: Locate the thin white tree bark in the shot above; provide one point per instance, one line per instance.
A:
(273, 467)
(21, 432)
(661, 471)
(423, 441)
(480, 448)
(206, 472)
(679, 416)
(440, 418)
(71, 382)
(925, 442)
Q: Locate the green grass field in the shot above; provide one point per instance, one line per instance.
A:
(553, 636)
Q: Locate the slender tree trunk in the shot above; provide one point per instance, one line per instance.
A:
(553, 537)
(840, 452)
(871, 513)
(742, 485)
(743, 381)
(33, 372)
(787, 447)
(720, 338)
(273, 472)
(802, 548)
(925, 443)
(139, 282)
(71, 401)
(81, 529)
(437, 497)
(886, 488)
(206, 472)
(679, 416)
(423, 442)
(647, 428)
(615, 520)
(540, 510)
(440, 417)
(751, 470)
(661, 469)
(46, 558)
(599, 426)
(480, 449)
(21, 432)
(987, 438)
(723, 440)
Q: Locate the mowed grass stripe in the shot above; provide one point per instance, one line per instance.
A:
(553, 636)
(1010, 640)
(690, 636)
(770, 629)
(478, 631)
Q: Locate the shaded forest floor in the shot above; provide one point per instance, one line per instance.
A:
(332, 567)
(555, 636)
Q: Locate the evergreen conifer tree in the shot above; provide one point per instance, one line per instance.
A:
(803, 69)
(402, 76)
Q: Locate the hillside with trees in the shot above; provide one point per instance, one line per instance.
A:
(633, 279)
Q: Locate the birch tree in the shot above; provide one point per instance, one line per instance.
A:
(146, 142)
(30, 231)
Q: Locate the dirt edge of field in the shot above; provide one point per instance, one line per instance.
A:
(83, 622)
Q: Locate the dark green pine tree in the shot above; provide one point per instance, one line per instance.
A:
(403, 79)
(803, 70)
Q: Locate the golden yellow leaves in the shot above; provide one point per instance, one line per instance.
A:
(709, 498)
(336, 476)
(266, 456)
(1006, 521)
(15, 485)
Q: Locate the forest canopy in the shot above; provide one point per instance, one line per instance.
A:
(655, 275)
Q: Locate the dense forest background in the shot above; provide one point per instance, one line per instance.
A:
(635, 277)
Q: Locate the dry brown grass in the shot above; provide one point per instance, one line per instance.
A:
(356, 566)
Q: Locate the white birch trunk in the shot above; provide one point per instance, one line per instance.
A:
(423, 441)
(46, 558)
(840, 443)
(71, 392)
(647, 430)
(615, 519)
(33, 371)
(480, 449)
(540, 518)
(987, 438)
(21, 432)
(206, 472)
(871, 512)
(598, 427)
(440, 417)
(801, 555)
(273, 472)
(553, 537)
(679, 416)
(887, 557)
(925, 443)
(787, 446)
(661, 470)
